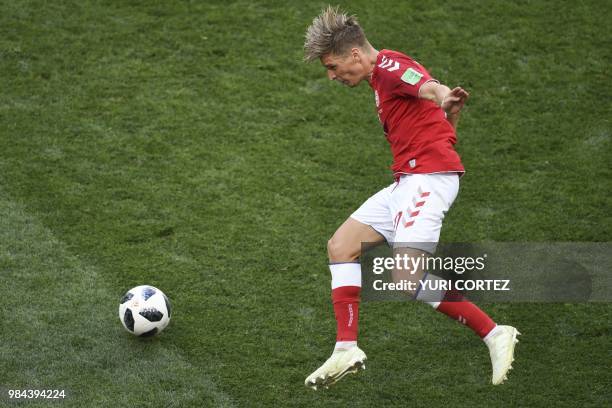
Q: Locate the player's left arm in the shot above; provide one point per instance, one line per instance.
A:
(450, 100)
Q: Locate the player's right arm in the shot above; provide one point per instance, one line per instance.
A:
(451, 101)
(411, 79)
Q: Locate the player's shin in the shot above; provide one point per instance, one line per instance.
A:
(455, 305)
(346, 295)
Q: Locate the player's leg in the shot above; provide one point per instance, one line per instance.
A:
(448, 302)
(369, 224)
(344, 249)
(418, 226)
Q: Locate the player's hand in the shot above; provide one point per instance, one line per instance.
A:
(453, 102)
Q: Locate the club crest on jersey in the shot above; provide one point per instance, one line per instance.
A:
(412, 163)
(411, 76)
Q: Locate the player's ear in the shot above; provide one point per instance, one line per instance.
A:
(356, 52)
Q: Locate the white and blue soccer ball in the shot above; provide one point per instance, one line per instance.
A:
(144, 311)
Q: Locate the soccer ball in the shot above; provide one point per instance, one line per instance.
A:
(144, 311)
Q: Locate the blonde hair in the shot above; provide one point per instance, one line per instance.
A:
(332, 32)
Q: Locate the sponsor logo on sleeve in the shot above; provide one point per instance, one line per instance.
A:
(411, 76)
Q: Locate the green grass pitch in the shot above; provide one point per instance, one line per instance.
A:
(185, 145)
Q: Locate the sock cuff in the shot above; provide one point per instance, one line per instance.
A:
(453, 295)
(345, 274)
(429, 295)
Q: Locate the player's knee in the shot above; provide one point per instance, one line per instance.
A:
(340, 249)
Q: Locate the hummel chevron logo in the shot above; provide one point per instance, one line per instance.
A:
(409, 217)
(389, 64)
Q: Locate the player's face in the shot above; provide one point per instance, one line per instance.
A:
(347, 70)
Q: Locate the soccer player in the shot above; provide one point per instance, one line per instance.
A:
(419, 116)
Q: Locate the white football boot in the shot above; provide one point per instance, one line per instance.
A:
(501, 342)
(341, 363)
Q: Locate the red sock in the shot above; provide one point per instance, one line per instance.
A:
(455, 306)
(346, 308)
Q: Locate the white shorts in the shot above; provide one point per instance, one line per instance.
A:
(409, 212)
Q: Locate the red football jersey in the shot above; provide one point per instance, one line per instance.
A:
(421, 138)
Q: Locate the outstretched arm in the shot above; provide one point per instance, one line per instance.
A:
(451, 101)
